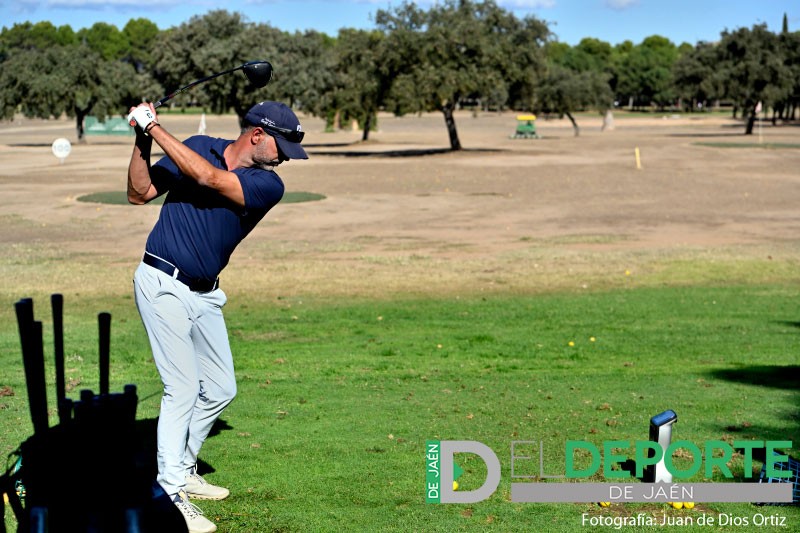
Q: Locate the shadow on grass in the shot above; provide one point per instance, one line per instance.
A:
(780, 377)
(146, 432)
(328, 145)
(629, 466)
(729, 135)
(786, 377)
(49, 144)
(768, 146)
(402, 153)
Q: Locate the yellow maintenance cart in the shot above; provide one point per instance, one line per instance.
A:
(526, 127)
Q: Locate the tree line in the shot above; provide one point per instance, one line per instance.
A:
(454, 54)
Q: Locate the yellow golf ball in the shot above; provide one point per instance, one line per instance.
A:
(688, 505)
(676, 505)
(604, 504)
(455, 485)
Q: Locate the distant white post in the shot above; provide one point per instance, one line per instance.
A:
(758, 116)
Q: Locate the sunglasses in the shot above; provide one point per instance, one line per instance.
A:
(290, 135)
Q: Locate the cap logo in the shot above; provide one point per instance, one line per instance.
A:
(268, 122)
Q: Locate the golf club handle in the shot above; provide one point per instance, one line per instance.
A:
(57, 304)
(39, 412)
(30, 334)
(104, 323)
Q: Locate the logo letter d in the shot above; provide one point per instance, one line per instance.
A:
(448, 448)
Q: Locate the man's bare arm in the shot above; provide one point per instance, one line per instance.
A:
(140, 185)
(191, 164)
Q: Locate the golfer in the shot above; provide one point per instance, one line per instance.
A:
(217, 190)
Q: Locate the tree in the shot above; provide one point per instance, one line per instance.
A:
(141, 35)
(619, 55)
(696, 77)
(520, 57)
(71, 80)
(307, 70)
(106, 40)
(577, 78)
(364, 83)
(598, 53)
(753, 67)
(644, 73)
(589, 54)
(29, 36)
(458, 50)
(565, 90)
(790, 44)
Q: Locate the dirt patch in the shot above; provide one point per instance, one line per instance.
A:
(502, 214)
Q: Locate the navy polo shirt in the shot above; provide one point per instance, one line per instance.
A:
(198, 228)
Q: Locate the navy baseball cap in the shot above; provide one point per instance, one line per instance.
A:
(279, 120)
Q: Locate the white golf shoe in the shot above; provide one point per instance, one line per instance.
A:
(199, 489)
(195, 521)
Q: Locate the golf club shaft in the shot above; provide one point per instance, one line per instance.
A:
(196, 82)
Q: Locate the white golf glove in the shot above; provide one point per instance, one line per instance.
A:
(143, 117)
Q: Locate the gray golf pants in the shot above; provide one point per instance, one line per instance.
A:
(190, 347)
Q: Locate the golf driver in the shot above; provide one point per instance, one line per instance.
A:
(259, 73)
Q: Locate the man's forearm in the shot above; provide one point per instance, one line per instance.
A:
(193, 165)
(140, 185)
(189, 162)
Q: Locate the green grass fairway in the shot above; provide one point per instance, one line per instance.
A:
(337, 397)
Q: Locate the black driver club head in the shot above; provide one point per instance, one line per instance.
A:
(259, 73)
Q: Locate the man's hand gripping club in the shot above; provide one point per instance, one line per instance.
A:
(144, 117)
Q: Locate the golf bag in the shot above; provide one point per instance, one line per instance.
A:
(88, 473)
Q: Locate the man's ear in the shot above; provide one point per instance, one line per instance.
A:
(256, 135)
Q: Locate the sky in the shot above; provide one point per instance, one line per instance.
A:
(613, 21)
